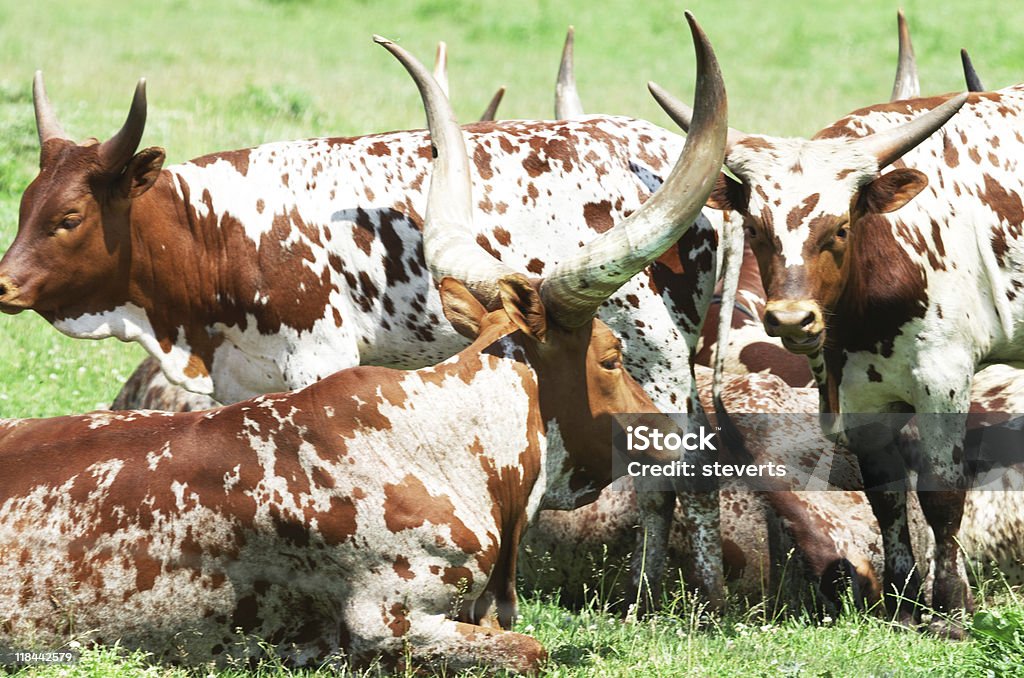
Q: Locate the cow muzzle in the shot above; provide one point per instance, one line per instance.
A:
(800, 324)
(11, 301)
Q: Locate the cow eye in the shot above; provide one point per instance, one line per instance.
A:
(751, 231)
(612, 363)
(841, 233)
(70, 222)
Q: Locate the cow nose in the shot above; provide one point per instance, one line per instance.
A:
(9, 297)
(798, 322)
(799, 318)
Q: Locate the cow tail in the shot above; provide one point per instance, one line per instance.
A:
(732, 259)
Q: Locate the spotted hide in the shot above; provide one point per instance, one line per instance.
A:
(786, 552)
(376, 512)
(910, 279)
(322, 521)
(258, 270)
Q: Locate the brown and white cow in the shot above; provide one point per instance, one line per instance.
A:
(364, 512)
(264, 269)
(781, 552)
(907, 295)
(784, 548)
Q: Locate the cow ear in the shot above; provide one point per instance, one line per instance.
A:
(141, 172)
(522, 303)
(728, 194)
(462, 309)
(891, 191)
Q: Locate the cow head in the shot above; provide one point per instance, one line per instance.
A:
(577, 360)
(73, 230)
(796, 198)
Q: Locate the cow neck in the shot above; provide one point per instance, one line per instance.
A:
(176, 269)
(499, 353)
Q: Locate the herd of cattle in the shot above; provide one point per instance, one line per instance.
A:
(447, 322)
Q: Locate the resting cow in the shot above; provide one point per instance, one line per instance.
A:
(357, 514)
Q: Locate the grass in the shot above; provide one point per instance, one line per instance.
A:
(683, 641)
(241, 72)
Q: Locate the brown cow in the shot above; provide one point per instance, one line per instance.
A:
(357, 514)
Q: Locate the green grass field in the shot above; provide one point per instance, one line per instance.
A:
(240, 72)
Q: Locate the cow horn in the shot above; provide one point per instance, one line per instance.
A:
(567, 99)
(116, 151)
(682, 114)
(448, 245)
(441, 66)
(577, 286)
(889, 145)
(973, 81)
(492, 108)
(906, 85)
(46, 119)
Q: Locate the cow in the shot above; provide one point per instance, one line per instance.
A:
(258, 270)
(788, 558)
(376, 512)
(801, 548)
(750, 348)
(912, 277)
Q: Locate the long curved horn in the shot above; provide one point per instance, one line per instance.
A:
(116, 151)
(46, 119)
(492, 108)
(567, 99)
(889, 145)
(906, 85)
(973, 81)
(577, 286)
(448, 243)
(682, 114)
(441, 66)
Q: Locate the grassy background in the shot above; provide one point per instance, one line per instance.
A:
(236, 73)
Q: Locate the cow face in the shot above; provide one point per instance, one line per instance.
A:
(73, 233)
(795, 195)
(795, 200)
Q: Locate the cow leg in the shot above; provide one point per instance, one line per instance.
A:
(941, 492)
(498, 606)
(700, 514)
(700, 506)
(702, 519)
(885, 485)
(408, 640)
(655, 510)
